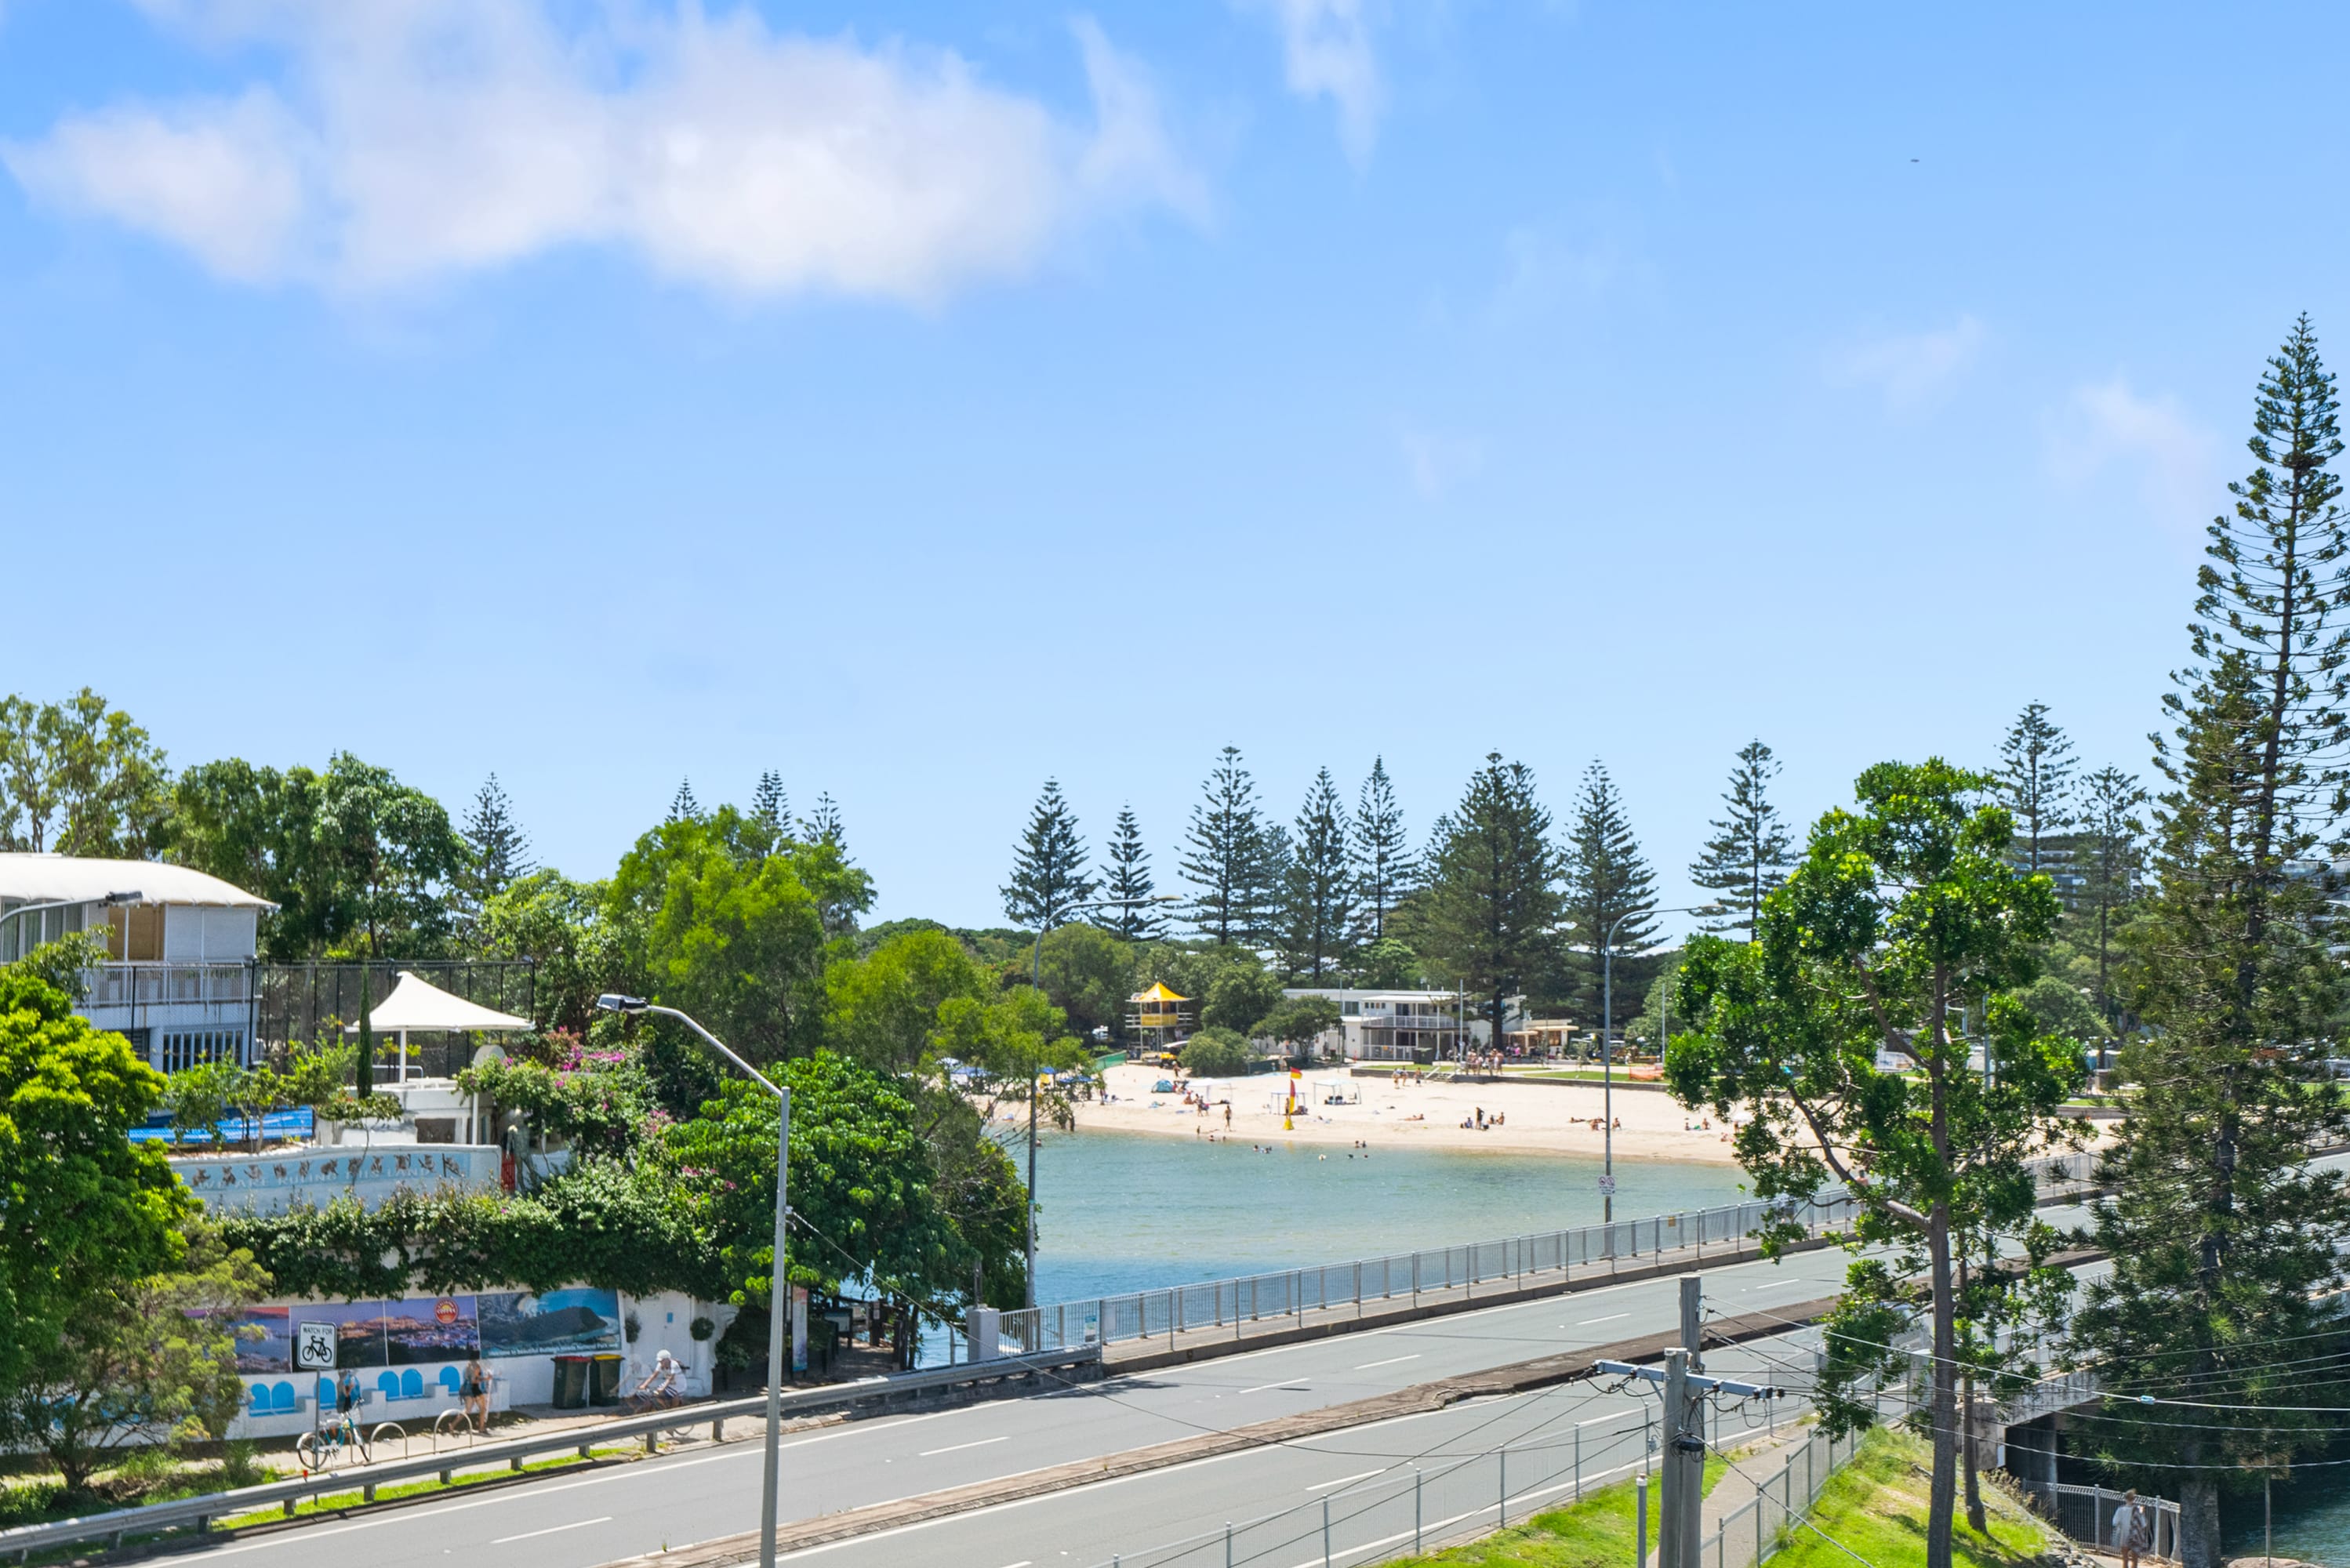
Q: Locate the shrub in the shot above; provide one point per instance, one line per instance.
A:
(1214, 1053)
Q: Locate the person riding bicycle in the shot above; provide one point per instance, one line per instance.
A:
(659, 1389)
(347, 1405)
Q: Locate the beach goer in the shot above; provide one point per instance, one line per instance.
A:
(1228, 1115)
(474, 1395)
(2129, 1529)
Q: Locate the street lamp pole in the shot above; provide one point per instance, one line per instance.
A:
(1607, 1054)
(778, 1290)
(1052, 922)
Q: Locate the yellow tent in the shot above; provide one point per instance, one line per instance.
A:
(1157, 992)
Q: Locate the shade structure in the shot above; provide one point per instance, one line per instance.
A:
(417, 1006)
(1157, 992)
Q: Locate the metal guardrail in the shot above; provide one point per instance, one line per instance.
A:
(1285, 1297)
(199, 1511)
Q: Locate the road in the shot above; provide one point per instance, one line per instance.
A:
(696, 1495)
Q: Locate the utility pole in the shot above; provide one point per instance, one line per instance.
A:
(1676, 1525)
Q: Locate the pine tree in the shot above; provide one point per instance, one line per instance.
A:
(824, 828)
(2224, 1241)
(1048, 867)
(1492, 901)
(770, 804)
(2111, 854)
(1235, 860)
(2035, 782)
(1748, 854)
(1317, 903)
(1611, 893)
(682, 806)
(501, 850)
(1384, 867)
(1129, 882)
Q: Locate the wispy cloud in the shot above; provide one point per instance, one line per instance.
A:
(1325, 49)
(1439, 462)
(1910, 368)
(2107, 428)
(413, 140)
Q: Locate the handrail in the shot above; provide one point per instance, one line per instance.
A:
(200, 1510)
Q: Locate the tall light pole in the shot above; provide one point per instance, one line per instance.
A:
(1051, 922)
(779, 1300)
(1607, 1052)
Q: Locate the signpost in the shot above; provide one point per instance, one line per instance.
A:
(314, 1346)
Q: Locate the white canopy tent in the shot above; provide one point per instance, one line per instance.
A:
(418, 1004)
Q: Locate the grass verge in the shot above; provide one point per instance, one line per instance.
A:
(335, 1502)
(1597, 1533)
(1874, 1509)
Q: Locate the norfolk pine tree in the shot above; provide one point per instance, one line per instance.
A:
(1234, 860)
(1899, 919)
(2035, 779)
(2221, 1234)
(1383, 863)
(2111, 854)
(1048, 867)
(499, 849)
(770, 804)
(1492, 901)
(824, 828)
(1608, 881)
(1747, 855)
(1317, 896)
(1135, 920)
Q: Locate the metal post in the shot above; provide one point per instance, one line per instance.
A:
(1415, 1508)
(1228, 1543)
(1326, 1530)
(1502, 1513)
(1641, 1523)
(779, 1309)
(1608, 1086)
(1693, 1320)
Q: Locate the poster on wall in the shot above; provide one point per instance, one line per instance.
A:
(264, 1339)
(560, 1323)
(799, 1328)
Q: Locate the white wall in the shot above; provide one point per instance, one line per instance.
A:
(193, 934)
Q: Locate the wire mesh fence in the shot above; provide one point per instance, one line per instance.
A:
(1750, 1532)
(314, 1002)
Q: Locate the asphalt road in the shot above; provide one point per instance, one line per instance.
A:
(659, 1504)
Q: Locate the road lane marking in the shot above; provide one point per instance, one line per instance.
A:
(1390, 1361)
(1774, 1285)
(552, 1530)
(1293, 1384)
(957, 1447)
(1610, 1416)
(1611, 1317)
(1345, 1480)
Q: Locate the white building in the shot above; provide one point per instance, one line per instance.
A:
(1405, 1025)
(178, 977)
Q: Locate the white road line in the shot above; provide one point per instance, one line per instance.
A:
(1295, 1385)
(552, 1530)
(1344, 1480)
(957, 1447)
(1611, 1317)
(1610, 1416)
(1023, 1562)
(1774, 1285)
(1390, 1361)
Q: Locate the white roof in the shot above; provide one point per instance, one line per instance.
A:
(79, 880)
(417, 1004)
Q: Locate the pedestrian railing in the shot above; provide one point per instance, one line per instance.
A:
(196, 1513)
(2059, 1391)
(2086, 1514)
(1261, 1302)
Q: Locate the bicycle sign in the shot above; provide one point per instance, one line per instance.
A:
(314, 1346)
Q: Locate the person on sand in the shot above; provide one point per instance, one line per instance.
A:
(1228, 1115)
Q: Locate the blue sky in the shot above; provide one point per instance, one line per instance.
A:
(921, 400)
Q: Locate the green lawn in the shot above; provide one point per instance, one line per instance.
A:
(1597, 1533)
(1876, 1506)
(332, 1502)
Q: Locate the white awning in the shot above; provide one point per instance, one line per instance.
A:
(417, 1006)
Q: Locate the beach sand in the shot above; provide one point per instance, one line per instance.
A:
(1538, 1118)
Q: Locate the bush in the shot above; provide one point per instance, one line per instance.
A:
(1214, 1053)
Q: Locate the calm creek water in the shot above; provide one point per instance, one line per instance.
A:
(2313, 1518)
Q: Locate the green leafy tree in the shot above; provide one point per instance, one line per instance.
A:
(78, 777)
(566, 930)
(1316, 921)
(882, 1010)
(1493, 900)
(66, 963)
(1298, 1021)
(1214, 1052)
(86, 1208)
(1240, 993)
(200, 1097)
(1384, 867)
(1388, 964)
(1048, 867)
(1610, 890)
(1235, 860)
(2035, 780)
(1900, 918)
(1748, 852)
(1088, 974)
(2111, 856)
(1135, 918)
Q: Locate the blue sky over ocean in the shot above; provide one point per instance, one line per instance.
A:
(920, 401)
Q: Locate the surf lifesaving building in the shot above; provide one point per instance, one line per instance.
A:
(178, 978)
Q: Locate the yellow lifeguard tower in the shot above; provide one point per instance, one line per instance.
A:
(1157, 1019)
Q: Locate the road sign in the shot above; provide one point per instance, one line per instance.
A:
(314, 1346)
(1607, 1186)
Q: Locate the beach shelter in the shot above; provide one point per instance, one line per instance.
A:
(1157, 1014)
(418, 1004)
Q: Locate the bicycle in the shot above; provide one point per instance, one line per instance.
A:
(323, 1448)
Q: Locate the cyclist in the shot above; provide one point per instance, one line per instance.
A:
(659, 1389)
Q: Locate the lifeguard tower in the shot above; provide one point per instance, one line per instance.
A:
(1157, 1020)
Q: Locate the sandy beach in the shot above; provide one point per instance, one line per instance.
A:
(1537, 1118)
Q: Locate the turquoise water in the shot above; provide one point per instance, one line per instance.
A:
(2313, 1518)
(1130, 1212)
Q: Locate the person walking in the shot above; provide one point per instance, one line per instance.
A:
(2129, 1529)
(474, 1395)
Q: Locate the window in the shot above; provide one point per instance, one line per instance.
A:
(182, 1049)
(135, 934)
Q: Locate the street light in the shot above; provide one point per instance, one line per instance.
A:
(779, 1295)
(1035, 978)
(1608, 1050)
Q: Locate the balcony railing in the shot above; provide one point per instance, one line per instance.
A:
(116, 985)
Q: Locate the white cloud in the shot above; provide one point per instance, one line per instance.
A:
(1911, 368)
(2108, 424)
(416, 139)
(1437, 462)
(1325, 50)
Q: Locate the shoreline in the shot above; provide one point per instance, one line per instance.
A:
(1549, 1118)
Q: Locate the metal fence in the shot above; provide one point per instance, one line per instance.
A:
(1756, 1528)
(1264, 1303)
(2086, 1514)
(309, 1002)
